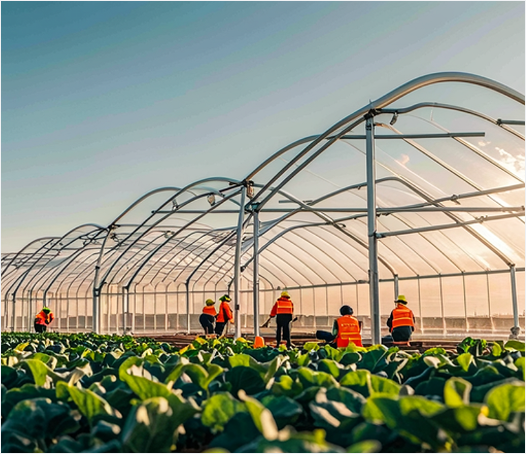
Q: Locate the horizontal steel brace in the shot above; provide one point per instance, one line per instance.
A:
(433, 228)
(364, 210)
(510, 122)
(416, 136)
(400, 278)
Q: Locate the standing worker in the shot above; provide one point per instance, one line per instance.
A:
(208, 317)
(42, 319)
(401, 322)
(283, 310)
(225, 315)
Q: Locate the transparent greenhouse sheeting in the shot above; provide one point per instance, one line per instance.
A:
(449, 224)
(441, 310)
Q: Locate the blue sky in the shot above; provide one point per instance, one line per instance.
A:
(104, 101)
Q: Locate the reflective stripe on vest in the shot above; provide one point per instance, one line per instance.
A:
(348, 331)
(210, 310)
(284, 306)
(402, 316)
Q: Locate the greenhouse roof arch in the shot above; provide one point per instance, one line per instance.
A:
(371, 203)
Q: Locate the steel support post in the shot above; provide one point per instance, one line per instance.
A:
(396, 290)
(29, 310)
(125, 309)
(237, 265)
(514, 298)
(420, 308)
(374, 294)
(489, 304)
(466, 321)
(187, 308)
(444, 329)
(255, 267)
(13, 315)
(96, 303)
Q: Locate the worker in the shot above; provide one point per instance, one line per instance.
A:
(346, 329)
(208, 317)
(283, 310)
(401, 322)
(225, 315)
(42, 319)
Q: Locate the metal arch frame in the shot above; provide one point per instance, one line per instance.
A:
(180, 230)
(179, 192)
(390, 97)
(380, 103)
(21, 278)
(15, 256)
(186, 202)
(56, 271)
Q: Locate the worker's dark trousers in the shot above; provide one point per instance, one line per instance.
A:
(207, 322)
(284, 321)
(401, 333)
(40, 328)
(327, 337)
(324, 336)
(220, 326)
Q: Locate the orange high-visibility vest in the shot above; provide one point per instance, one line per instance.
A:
(42, 319)
(282, 306)
(210, 310)
(348, 331)
(402, 316)
(224, 309)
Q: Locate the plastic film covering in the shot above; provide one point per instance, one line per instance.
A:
(449, 194)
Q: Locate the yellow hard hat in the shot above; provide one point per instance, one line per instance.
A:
(285, 294)
(209, 302)
(401, 299)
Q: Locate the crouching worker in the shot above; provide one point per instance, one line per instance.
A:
(42, 319)
(346, 329)
(225, 315)
(401, 322)
(208, 317)
(283, 310)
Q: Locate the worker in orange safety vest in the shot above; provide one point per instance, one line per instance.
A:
(42, 319)
(208, 317)
(224, 315)
(401, 322)
(283, 309)
(346, 329)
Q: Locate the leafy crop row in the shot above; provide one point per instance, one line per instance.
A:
(90, 393)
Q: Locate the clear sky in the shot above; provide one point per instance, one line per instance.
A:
(105, 101)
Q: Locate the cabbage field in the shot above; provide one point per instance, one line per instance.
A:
(95, 393)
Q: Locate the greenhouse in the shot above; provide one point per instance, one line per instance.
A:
(420, 193)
